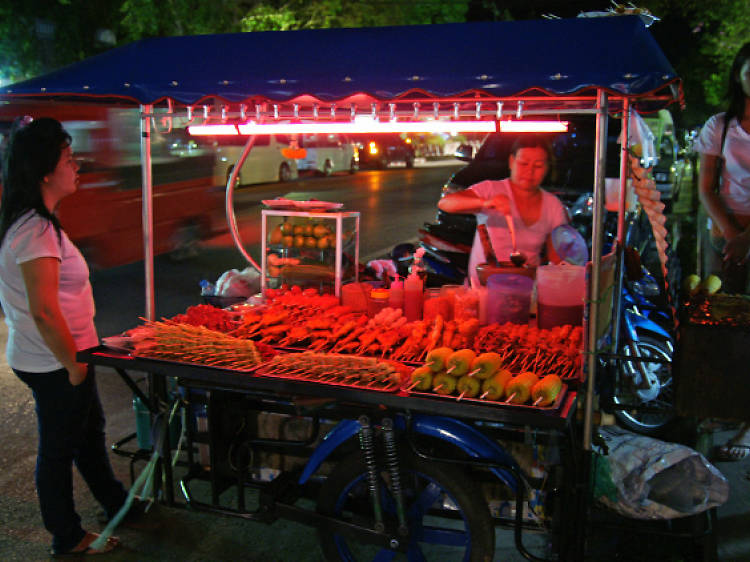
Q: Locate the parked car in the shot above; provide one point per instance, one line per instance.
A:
(380, 150)
(570, 176)
(328, 153)
(265, 163)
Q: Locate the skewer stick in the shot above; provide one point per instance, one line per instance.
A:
(474, 372)
(453, 368)
(412, 385)
(438, 387)
(510, 398)
(484, 395)
(461, 396)
(538, 401)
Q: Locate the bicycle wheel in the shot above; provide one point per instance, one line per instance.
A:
(657, 402)
(447, 516)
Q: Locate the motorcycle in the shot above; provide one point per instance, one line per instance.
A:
(642, 392)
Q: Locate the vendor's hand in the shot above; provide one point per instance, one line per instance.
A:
(737, 247)
(78, 373)
(499, 203)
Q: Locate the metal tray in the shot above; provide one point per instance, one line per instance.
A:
(528, 407)
(302, 375)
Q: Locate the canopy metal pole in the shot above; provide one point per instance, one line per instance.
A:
(229, 203)
(147, 214)
(596, 257)
(621, 212)
(623, 201)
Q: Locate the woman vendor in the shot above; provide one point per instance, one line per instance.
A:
(534, 211)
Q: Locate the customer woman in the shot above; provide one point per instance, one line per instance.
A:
(724, 189)
(49, 309)
(534, 211)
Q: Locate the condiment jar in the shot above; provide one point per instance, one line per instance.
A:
(433, 304)
(378, 301)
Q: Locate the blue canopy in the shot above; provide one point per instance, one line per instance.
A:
(487, 59)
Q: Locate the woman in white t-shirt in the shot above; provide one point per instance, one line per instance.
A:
(534, 211)
(724, 146)
(49, 309)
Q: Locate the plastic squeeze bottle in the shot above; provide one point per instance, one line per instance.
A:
(413, 290)
(396, 296)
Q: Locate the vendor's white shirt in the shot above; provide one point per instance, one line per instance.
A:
(29, 238)
(530, 239)
(735, 176)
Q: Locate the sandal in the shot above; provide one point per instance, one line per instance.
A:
(84, 548)
(731, 452)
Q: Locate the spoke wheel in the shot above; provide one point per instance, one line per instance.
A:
(285, 173)
(661, 407)
(447, 516)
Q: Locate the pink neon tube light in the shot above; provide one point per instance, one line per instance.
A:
(379, 127)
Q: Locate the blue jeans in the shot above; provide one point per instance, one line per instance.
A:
(70, 422)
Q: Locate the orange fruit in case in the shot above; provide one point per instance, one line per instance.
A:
(276, 235)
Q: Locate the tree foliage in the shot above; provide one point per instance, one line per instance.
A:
(284, 15)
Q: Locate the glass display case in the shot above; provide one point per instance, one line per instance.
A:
(309, 249)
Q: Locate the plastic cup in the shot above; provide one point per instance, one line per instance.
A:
(509, 298)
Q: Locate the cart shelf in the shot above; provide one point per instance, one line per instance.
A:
(547, 418)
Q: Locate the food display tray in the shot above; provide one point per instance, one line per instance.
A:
(264, 371)
(423, 403)
(554, 407)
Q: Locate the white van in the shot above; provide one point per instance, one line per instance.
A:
(265, 163)
(327, 153)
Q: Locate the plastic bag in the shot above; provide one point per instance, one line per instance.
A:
(645, 478)
(234, 283)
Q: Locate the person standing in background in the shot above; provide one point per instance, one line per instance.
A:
(724, 190)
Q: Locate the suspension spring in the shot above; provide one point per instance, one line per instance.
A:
(391, 456)
(367, 444)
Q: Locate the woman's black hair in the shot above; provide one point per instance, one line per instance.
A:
(735, 93)
(526, 140)
(33, 151)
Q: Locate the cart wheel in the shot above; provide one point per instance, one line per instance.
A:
(285, 173)
(660, 404)
(447, 516)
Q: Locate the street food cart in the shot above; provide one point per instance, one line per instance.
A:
(421, 457)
